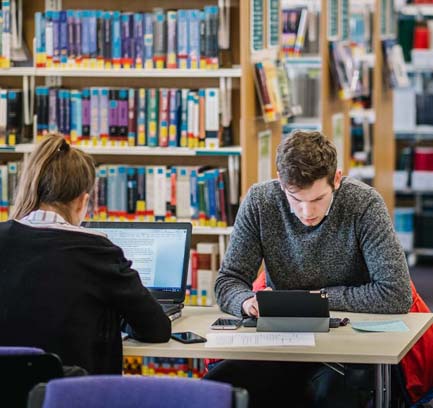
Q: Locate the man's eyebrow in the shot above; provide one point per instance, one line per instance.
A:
(314, 199)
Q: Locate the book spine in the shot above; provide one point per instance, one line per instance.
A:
(132, 118)
(76, 109)
(42, 109)
(85, 116)
(163, 116)
(139, 40)
(194, 39)
(173, 119)
(103, 114)
(100, 60)
(108, 24)
(171, 39)
(49, 41)
(64, 41)
(56, 38)
(182, 39)
(94, 115)
(148, 40)
(78, 36)
(113, 116)
(159, 39)
(152, 102)
(53, 120)
(131, 190)
(123, 116)
(141, 117)
(116, 45)
(41, 55)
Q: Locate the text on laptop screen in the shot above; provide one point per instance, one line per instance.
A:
(156, 254)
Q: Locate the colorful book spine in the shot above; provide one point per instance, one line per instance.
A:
(103, 113)
(152, 103)
(182, 39)
(41, 55)
(148, 40)
(123, 116)
(132, 117)
(139, 40)
(163, 116)
(159, 38)
(141, 117)
(171, 39)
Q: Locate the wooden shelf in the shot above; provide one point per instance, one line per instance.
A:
(138, 150)
(235, 72)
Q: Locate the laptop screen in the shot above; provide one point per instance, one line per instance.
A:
(159, 253)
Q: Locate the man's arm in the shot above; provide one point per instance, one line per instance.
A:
(242, 259)
(389, 290)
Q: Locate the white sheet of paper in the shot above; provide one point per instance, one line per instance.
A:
(259, 339)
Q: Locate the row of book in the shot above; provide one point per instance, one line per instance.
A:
(413, 227)
(160, 193)
(299, 31)
(164, 366)
(131, 117)
(203, 196)
(11, 116)
(9, 174)
(115, 39)
(413, 106)
(204, 263)
(275, 91)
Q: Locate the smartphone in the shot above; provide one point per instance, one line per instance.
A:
(223, 323)
(188, 337)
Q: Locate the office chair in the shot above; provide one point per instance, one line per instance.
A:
(21, 368)
(116, 391)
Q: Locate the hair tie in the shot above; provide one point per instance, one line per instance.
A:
(64, 146)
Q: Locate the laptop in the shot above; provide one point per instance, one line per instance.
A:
(159, 253)
(293, 311)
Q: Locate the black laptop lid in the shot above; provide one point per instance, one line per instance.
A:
(159, 253)
(292, 303)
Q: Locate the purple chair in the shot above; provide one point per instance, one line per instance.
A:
(13, 351)
(116, 391)
(21, 368)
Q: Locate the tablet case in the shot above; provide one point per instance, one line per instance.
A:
(293, 311)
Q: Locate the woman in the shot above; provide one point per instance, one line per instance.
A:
(64, 288)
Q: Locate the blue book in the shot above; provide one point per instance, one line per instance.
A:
(182, 39)
(56, 37)
(173, 118)
(122, 189)
(76, 126)
(70, 21)
(93, 46)
(85, 34)
(78, 35)
(194, 39)
(116, 45)
(64, 42)
(40, 40)
(194, 194)
(127, 40)
(148, 40)
(139, 40)
(107, 38)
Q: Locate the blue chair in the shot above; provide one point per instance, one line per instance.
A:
(21, 368)
(116, 391)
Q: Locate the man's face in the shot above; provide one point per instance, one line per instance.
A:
(311, 204)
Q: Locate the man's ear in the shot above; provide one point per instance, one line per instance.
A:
(337, 179)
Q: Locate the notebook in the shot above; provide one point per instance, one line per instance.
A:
(159, 253)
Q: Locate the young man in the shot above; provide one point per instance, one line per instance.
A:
(313, 229)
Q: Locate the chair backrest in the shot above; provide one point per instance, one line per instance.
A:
(7, 351)
(21, 368)
(127, 391)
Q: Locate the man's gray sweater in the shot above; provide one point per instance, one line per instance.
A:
(354, 253)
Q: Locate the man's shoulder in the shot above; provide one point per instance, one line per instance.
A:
(357, 191)
(268, 187)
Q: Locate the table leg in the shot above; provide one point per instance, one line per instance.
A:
(383, 386)
(379, 386)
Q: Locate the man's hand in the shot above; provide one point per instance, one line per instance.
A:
(250, 306)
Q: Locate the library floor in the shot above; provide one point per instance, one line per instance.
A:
(422, 276)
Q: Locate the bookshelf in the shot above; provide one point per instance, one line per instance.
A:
(414, 133)
(335, 114)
